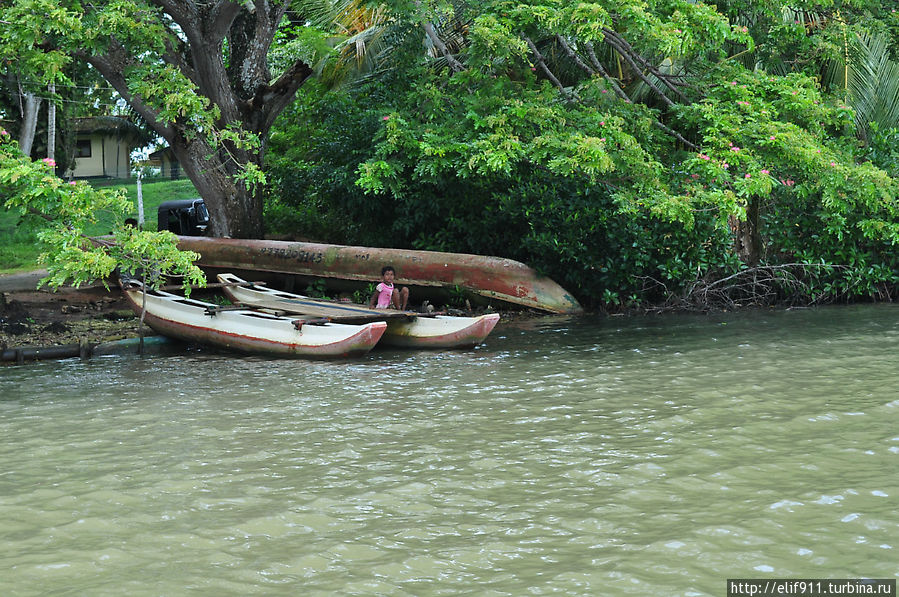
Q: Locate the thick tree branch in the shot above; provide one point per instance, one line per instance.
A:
(260, 30)
(614, 84)
(271, 100)
(637, 70)
(454, 64)
(627, 51)
(222, 17)
(611, 80)
(112, 66)
(175, 55)
(573, 55)
(542, 63)
(181, 12)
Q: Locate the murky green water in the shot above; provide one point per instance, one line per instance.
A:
(585, 456)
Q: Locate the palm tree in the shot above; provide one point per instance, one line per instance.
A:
(869, 80)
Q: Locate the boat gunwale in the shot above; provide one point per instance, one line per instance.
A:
(253, 343)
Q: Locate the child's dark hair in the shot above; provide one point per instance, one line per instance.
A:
(387, 268)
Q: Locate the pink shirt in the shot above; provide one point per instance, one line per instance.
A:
(386, 293)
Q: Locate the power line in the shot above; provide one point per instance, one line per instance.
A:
(37, 85)
(81, 102)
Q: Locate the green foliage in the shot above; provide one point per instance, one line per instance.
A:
(564, 219)
(317, 289)
(623, 202)
(312, 161)
(362, 296)
(776, 141)
(883, 150)
(19, 246)
(60, 213)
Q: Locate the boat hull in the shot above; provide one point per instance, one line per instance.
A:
(404, 329)
(440, 331)
(248, 331)
(494, 278)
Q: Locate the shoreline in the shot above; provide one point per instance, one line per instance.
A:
(92, 319)
(72, 322)
(87, 316)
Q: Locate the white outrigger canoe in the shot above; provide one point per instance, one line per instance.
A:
(247, 330)
(404, 328)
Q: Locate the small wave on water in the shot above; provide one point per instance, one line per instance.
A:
(581, 456)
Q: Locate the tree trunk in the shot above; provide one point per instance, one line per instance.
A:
(747, 239)
(241, 89)
(234, 212)
(29, 123)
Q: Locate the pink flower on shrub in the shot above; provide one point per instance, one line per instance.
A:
(747, 175)
(386, 118)
(49, 162)
(766, 172)
(735, 148)
(703, 156)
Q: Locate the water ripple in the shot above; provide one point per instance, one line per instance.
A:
(575, 456)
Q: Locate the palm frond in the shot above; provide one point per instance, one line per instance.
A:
(870, 81)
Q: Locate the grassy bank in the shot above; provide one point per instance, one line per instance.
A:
(19, 247)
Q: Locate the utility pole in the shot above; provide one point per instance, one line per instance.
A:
(140, 199)
(51, 122)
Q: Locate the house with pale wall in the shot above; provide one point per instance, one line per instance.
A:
(168, 164)
(103, 148)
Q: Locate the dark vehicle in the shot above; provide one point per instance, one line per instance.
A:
(187, 217)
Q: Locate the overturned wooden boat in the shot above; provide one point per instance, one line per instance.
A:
(493, 278)
(404, 328)
(247, 330)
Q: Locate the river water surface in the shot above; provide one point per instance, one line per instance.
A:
(569, 456)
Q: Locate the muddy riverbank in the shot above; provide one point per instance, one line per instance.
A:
(30, 317)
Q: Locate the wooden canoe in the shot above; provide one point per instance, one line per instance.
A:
(404, 328)
(493, 278)
(250, 331)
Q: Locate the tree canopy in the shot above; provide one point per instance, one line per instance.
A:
(61, 211)
(627, 147)
(620, 144)
(197, 72)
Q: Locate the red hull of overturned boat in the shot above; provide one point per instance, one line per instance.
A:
(490, 277)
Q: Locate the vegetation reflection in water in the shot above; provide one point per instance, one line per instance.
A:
(579, 456)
